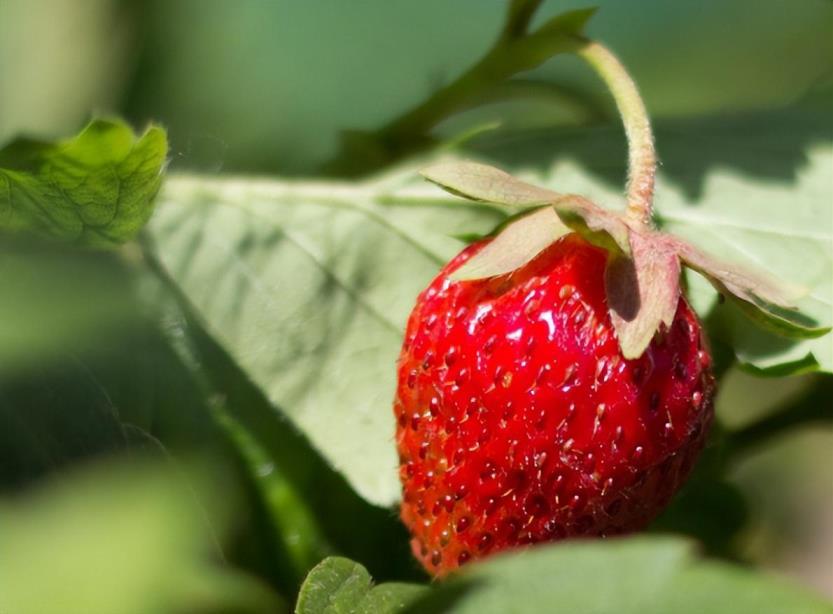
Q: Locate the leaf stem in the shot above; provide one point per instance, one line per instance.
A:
(642, 159)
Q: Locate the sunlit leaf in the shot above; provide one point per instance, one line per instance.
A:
(639, 576)
(340, 585)
(95, 189)
(308, 287)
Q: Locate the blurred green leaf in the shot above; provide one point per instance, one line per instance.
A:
(95, 189)
(340, 585)
(127, 539)
(56, 298)
(638, 575)
(87, 373)
(308, 287)
(812, 407)
(211, 85)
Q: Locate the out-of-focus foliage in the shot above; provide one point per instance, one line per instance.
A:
(126, 538)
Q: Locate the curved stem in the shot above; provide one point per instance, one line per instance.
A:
(642, 159)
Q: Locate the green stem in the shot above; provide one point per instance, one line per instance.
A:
(642, 159)
(518, 17)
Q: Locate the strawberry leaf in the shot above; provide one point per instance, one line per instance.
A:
(518, 243)
(643, 290)
(641, 575)
(94, 190)
(307, 286)
(338, 584)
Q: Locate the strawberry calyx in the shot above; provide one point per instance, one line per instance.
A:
(642, 277)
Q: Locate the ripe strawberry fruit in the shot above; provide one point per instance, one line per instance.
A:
(519, 421)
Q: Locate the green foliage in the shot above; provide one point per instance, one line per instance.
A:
(752, 189)
(331, 271)
(56, 297)
(128, 539)
(340, 585)
(637, 575)
(645, 575)
(336, 253)
(95, 189)
(257, 321)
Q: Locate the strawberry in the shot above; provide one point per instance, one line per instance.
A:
(520, 421)
(553, 381)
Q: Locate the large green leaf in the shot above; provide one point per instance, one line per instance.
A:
(121, 538)
(640, 575)
(311, 508)
(308, 285)
(95, 189)
(338, 585)
(635, 575)
(308, 288)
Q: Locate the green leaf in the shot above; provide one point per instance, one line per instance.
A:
(339, 585)
(634, 575)
(518, 243)
(308, 287)
(56, 298)
(754, 190)
(95, 189)
(121, 538)
(310, 507)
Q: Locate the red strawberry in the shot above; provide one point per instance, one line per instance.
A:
(519, 421)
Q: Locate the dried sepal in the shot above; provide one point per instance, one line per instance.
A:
(485, 183)
(596, 224)
(643, 290)
(769, 302)
(642, 278)
(515, 245)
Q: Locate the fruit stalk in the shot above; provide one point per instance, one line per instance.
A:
(642, 159)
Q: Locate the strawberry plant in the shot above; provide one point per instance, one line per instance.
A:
(454, 371)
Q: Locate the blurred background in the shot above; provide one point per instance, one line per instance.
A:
(267, 85)
(270, 86)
